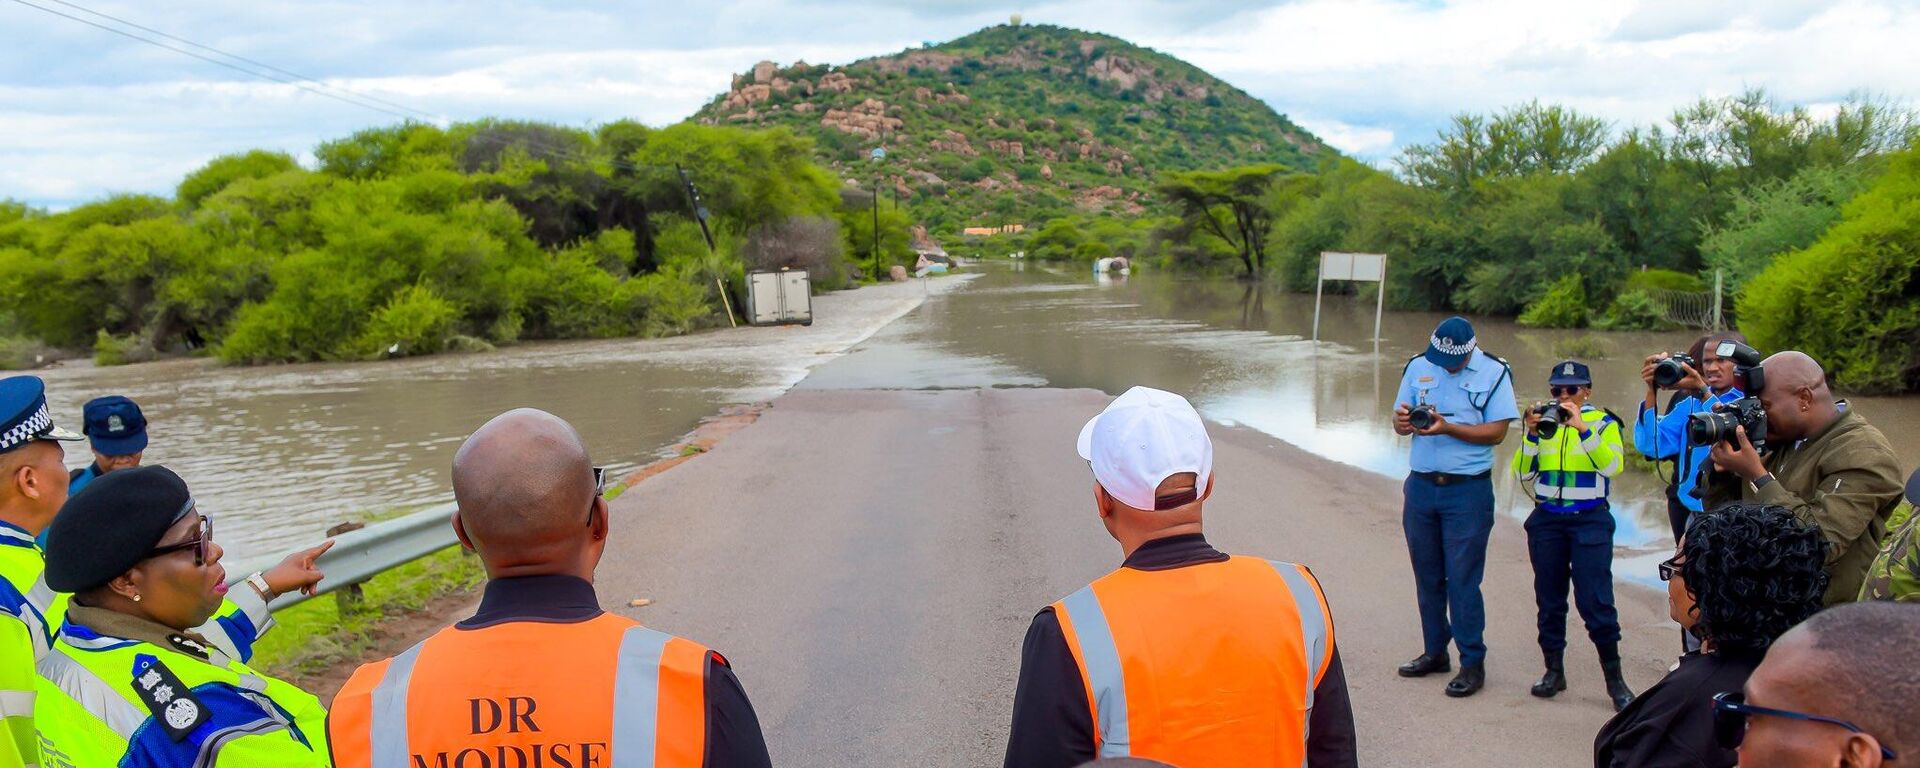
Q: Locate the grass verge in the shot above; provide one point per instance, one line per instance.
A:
(316, 637)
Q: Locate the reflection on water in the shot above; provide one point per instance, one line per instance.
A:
(1239, 352)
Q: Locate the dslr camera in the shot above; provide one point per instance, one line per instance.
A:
(1551, 417)
(1719, 424)
(1422, 416)
(1668, 372)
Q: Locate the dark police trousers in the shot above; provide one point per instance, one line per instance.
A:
(1447, 528)
(1577, 546)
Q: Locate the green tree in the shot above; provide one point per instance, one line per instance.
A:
(1230, 205)
(1852, 299)
(1773, 218)
(227, 169)
(1528, 139)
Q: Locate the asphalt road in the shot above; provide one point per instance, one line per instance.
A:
(869, 561)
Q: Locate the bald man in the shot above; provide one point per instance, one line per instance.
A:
(1835, 692)
(540, 675)
(1824, 462)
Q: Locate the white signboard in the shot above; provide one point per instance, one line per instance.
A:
(1361, 267)
(1352, 267)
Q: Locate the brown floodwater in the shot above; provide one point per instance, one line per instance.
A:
(1242, 354)
(278, 454)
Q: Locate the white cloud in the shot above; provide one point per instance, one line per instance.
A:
(83, 113)
(1364, 141)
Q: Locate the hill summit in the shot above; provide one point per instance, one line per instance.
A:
(1016, 123)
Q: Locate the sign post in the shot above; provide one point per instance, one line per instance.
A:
(1352, 267)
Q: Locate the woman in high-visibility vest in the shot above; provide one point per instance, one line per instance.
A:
(128, 682)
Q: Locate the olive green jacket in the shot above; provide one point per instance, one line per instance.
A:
(1895, 574)
(1844, 479)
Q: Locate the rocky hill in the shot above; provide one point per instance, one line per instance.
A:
(1016, 123)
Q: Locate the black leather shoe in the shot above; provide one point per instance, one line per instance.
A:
(1554, 681)
(1617, 689)
(1426, 664)
(1468, 682)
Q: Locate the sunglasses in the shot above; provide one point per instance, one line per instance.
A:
(198, 544)
(1669, 568)
(1731, 710)
(599, 490)
(1564, 391)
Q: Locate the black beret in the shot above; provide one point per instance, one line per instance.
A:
(111, 525)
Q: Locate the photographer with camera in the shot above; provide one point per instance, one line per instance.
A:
(1569, 458)
(1700, 379)
(1826, 463)
(1456, 401)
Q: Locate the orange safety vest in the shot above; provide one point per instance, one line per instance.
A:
(606, 693)
(1211, 664)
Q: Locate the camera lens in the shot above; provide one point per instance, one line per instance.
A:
(1667, 373)
(1710, 428)
(1421, 417)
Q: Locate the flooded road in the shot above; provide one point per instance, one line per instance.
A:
(279, 454)
(1241, 353)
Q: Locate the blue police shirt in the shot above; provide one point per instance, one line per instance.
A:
(1481, 392)
(1666, 438)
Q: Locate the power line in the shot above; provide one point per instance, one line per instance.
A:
(216, 62)
(305, 83)
(236, 57)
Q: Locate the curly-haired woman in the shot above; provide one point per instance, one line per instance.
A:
(1742, 576)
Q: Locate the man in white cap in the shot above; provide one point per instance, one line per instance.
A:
(1184, 654)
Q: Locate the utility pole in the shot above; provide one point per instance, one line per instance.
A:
(700, 215)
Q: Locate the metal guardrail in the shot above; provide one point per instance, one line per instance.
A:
(358, 556)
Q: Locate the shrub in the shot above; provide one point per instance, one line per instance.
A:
(20, 352)
(1778, 217)
(1852, 299)
(800, 242)
(227, 169)
(1635, 310)
(1564, 305)
(1664, 280)
(1583, 347)
(416, 321)
(109, 349)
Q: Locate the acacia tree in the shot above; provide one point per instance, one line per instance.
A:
(1230, 205)
(1528, 139)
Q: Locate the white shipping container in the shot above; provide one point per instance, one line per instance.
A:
(775, 298)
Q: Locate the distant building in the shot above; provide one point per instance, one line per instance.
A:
(1007, 229)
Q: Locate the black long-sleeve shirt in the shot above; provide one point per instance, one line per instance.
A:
(1053, 724)
(733, 731)
(1671, 724)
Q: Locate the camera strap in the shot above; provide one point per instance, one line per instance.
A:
(1506, 372)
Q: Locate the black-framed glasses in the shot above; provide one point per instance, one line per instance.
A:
(1731, 710)
(1669, 568)
(1561, 390)
(198, 544)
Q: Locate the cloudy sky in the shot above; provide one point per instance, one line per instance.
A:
(84, 112)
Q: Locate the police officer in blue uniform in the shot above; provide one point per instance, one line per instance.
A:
(1456, 401)
(117, 431)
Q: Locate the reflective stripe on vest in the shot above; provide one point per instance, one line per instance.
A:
(96, 695)
(390, 710)
(1106, 682)
(1091, 637)
(636, 703)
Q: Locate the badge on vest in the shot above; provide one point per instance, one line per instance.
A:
(172, 703)
(188, 645)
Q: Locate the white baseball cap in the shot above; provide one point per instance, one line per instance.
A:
(1144, 437)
